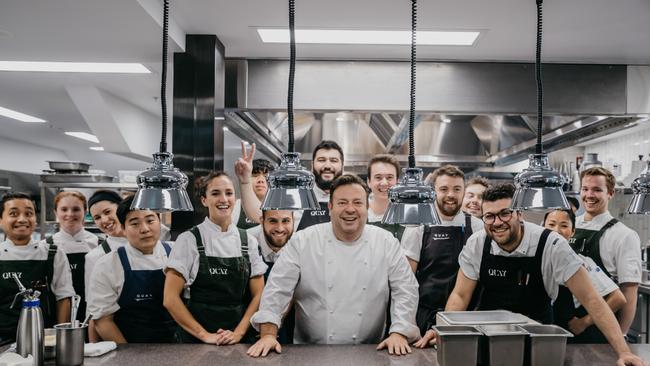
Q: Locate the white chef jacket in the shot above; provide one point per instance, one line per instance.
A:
(93, 256)
(373, 217)
(268, 255)
(620, 248)
(61, 284)
(107, 278)
(341, 290)
(184, 257)
(601, 282)
(413, 236)
(559, 261)
(81, 242)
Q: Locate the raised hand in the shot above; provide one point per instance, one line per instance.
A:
(244, 164)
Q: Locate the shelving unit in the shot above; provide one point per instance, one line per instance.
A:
(59, 185)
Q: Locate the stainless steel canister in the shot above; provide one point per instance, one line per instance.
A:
(502, 345)
(545, 345)
(70, 344)
(457, 345)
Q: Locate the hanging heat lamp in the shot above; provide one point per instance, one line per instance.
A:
(539, 187)
(640, 204)
(162, 187)
(291, 187)
(411, 201)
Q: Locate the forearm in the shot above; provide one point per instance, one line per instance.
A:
(63, 311)
(268, 329)
(108, 330)
(177, 309)
(456, 303)
(93, 336)
(628, 311)
(614, 300)
(249, 202)
(606, 322)
(245, 322)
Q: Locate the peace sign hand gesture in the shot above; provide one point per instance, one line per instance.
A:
(244, 165)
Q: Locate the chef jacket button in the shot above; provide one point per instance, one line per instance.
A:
(329, 262)
(354, 337)
(331, 311)
(331, 336)
(364, 288)
(329, 287)
(360, 313)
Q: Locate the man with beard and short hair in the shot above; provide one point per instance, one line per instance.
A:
(433, 251)
(613, 246)
(474, 196)
(327, 165)
(520, 267)
(274, 232)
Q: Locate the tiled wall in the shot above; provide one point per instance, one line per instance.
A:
(623, 149)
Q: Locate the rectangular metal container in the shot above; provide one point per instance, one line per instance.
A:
(457, 345)
(502, 344)
(545, 344)
(480, 317)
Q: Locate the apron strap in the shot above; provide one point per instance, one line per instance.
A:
(49, 240)
(105, 246)
(121, 252)
(596, 245)
(243, 237)
(51, 252)
(486, 245)
(168, 248)
(468, 227)
(199, 242)
(542, 244)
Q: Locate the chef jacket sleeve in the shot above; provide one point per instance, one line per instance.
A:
(559, 263)
(62, 277)
(106, 283)
(412, 242)
(258, 267)
(471, 255)
(628, 257)
(280, 286)
(184, 257)
(601, 282)
(404, 293)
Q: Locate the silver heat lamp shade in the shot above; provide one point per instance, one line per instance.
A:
(640, 204)
(162, 187)
(291, 187)
(539, 187)
(411, 202)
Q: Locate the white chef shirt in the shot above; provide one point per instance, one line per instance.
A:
(412, 238)
(321, 196)
(341, 290)
(620, 248)
(601, 282)
(184, 257)
(268, 255)
(373, 217)
(61, 284)
(559, 261)
(93, 256)
(81, 242)
(107, 278)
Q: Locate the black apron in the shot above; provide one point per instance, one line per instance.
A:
(105, 246)
(515, 283)
(314, 217)
(218, 293)
(77, 263)
(438, 267)
(244, 222)
(587, 243)
(35, 274)
(142, 318)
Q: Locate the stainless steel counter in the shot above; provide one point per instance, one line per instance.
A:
(195, 355)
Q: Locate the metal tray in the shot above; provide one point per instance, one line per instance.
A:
(481, 317)
(69, 165)
(76, 178)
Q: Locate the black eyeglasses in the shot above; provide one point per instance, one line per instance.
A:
(504, 215)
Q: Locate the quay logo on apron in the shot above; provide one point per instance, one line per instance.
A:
(440, 236)
(143, 297)
(73, 266)
(9, 275)
(218, 271)
(497, 272)
(318, 213)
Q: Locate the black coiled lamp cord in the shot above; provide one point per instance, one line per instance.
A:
(163, 82)
(414, 18)
(538, 78)
(292, 70)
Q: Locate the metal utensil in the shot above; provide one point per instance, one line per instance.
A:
(85, 322)
(69, 166)
(74, 308)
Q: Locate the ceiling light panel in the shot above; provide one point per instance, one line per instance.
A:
(369, 37)
(84, 136)
(22, 117)
(81, 67)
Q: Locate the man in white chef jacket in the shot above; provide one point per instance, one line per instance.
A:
(340, 275)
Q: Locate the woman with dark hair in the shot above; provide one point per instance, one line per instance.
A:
(567, 311)
(211, 270)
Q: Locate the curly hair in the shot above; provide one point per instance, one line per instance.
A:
(499, 192)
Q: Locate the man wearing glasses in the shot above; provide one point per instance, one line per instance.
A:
(520, 266)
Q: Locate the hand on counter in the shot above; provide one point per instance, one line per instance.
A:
(429, 339)
(396, 344)
(628, 358)
(221, 337)
(264, 346)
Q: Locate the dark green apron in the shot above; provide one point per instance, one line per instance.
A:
(34, 274)
(396, 229)
(244, 222)
(77, 265)
(587, 243)
(218, 294)
(105, 246)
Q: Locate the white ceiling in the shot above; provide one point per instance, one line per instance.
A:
(580, 31)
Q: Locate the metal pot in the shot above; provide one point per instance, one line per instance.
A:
(69, 166)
